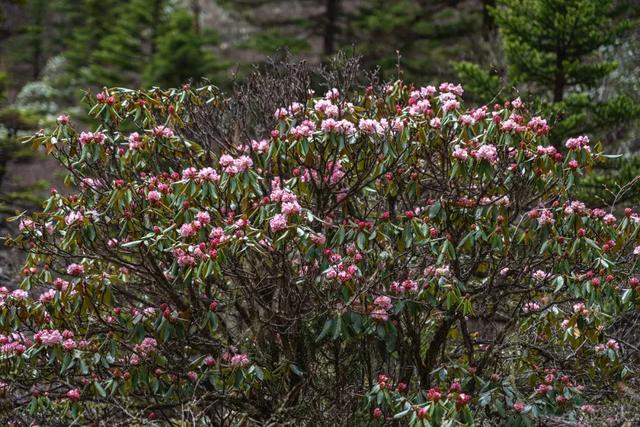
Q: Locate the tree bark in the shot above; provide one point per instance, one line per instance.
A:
(331, 26)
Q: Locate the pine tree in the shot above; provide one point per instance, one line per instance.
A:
(96, 20)
(422, 37)
(181, 54)
(125, 50)
(553, 48)
(552, 43)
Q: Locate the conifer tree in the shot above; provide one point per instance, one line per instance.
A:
(181, 54)
(123, 52)
(96, 20)
(553, 49)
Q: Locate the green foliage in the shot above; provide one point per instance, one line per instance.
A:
(181, 54)
(427, 36)
(482, 84)
(125, 51)
(271, 41)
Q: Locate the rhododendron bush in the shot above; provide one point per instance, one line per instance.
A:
(371, 254)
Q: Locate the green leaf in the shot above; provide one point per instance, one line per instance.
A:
(99, 389)
(325, 329)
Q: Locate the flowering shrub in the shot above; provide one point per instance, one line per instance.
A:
(374, 255)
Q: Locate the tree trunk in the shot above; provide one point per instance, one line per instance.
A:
(331, 26)
(559, 79)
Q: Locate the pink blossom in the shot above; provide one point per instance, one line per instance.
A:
(148, 345)
(243, 163)
(154, 196)
(278, 223)
(588, 409)
(88, 137)
(370, 127)
(69, 345)
(208, 174)
(47, 296)
(538, 126)
(467, 120)
(163, 131)
(487, 152)
(450, 105)
(450, 87)
(63, 119)
(326, 106)
(19, 295)
(73, 395)
(75, 269)
(578, 143)
(383, 301)
(135, 141)
(609, 219)
(26, 224)
(73, 218)
(460, 153)
(434, 394)
(546, 217)
(422, 106)
(260, 146)
(187, 230)
(531, 307)
(189, 174)
(203, 217)
(318, 239)
(48, 337)
(291, 208)
(540, 275)
(239, 360)
(304, 130)
(281, 113)
(380, 314)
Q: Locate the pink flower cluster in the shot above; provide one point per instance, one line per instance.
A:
(135, 141)
(288, 205)
(183, 258)
(382, 305)
(610, 345)
(237, 360)
(26, 224)
(373, 127)
(147, 346)
(341, 127)
(73, 218)
(190, 229)
(89, 137)
(406, 286)
(278, 223)
(73, 395)
(48, 337)
(531, 307)
(486, 152)
(580, 142)
(75, 269)
(304, 129)
(538, 126)
(233, 165)
(13, 344)
(163, 132)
